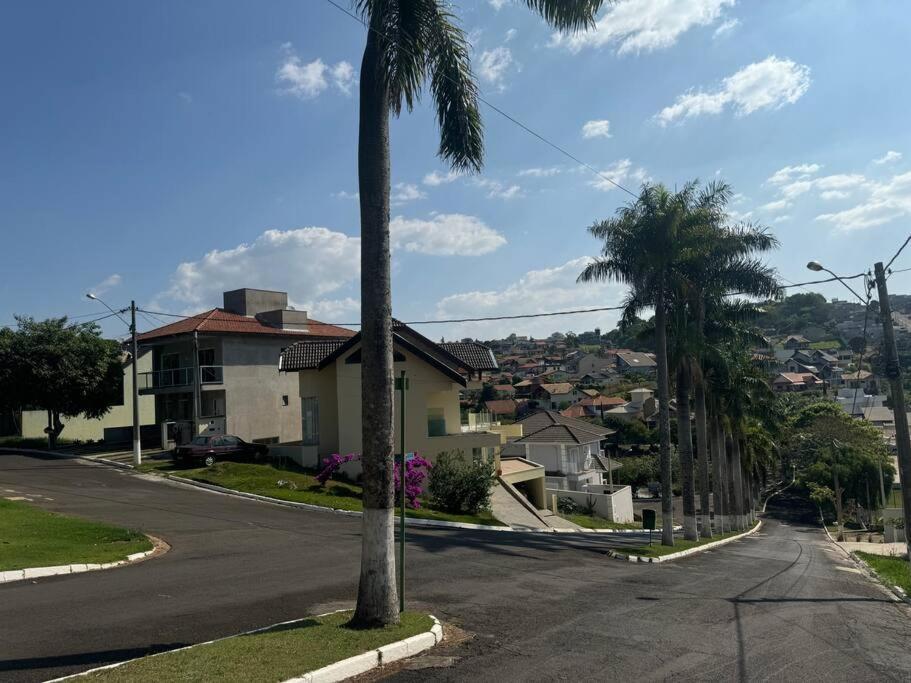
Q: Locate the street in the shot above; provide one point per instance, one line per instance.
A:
(783, 604)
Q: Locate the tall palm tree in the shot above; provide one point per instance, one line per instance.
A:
(408, 42)
(642, 247)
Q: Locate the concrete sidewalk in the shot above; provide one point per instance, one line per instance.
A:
(886, 549)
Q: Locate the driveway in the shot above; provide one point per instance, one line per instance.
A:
(782, 604)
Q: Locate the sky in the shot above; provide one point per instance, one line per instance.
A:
(166, 152)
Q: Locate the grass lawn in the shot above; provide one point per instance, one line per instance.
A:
(37, 443)
(593, 522)
(892, 570)
(32, 537)
(827, 344)
(657, 550)
(263, 480)
(275, 655)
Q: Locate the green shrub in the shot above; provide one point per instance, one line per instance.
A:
(567, 506)
(460, 485)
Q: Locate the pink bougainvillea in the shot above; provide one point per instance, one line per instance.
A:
(416, 470)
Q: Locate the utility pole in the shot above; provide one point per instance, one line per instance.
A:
(137, 446)
(402, 383)
(899, 412)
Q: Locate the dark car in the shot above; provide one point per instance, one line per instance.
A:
(211, 449)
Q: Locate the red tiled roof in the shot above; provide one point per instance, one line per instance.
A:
(506, 406)
(603, 401)
(220, 321)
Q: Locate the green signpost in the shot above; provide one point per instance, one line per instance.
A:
(648, 522)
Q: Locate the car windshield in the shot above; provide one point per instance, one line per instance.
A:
(200, 441)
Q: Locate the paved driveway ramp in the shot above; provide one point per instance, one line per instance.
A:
(512, 508)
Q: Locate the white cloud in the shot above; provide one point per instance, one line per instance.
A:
(834, 194)
(509, 35)
(785, 175)
(498, 4)
(106, 285)
(445, 235)
(884, 202)
(406, 192)
(781, 219)
(308, 80)
(185, 97)
(769, 84)
(343, 77)
(644, 25)
(889, 156)
(620, 172)
(343, 194)
(775, 206)
(538, 172)
(598, 128)
(726, 28)
(434, 178)
(537, 291)
(494, 64)
(497, 190)
(308, 263)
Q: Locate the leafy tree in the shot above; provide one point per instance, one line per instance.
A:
(64, 369)
(408, 43)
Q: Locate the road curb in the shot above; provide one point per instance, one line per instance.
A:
(683, 553)
(159, 547)
(338, 671)
(866, 569)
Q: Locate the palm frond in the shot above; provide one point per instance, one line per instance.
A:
(567, 15)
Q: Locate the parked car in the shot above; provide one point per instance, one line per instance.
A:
(210, 449)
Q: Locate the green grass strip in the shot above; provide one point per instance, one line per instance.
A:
(658, 550)
(299, 487)
(274, 655)
(32, 537)
(893, 570)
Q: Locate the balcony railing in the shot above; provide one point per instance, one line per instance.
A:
(180, 377)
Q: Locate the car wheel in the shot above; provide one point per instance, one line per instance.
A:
(210, 460)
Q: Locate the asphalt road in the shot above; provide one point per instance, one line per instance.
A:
(782, 604)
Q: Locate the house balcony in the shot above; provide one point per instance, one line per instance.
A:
(179, 379)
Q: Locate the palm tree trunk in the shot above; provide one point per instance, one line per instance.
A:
(702, 445)
(737, 473)
(376, 596)
(733, 514)
(718, 477)
(664, 420)
(685, 448)
(724, 465)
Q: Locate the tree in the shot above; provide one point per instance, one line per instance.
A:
(407, 43)
(642, 246)
(64, 369)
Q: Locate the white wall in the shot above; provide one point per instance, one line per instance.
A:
(616, 507)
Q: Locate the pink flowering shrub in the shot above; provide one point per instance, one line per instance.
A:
(416, 471)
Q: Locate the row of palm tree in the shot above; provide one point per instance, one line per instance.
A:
(678, 254)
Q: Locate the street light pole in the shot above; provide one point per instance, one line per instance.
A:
(137, 446)
(899, 412)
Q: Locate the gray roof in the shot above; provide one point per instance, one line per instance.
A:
(635, 359)
(307, 355)
(561, 434)
(475, 356)
(546, 418)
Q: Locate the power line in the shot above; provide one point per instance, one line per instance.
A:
(497, 109)
(900, 250)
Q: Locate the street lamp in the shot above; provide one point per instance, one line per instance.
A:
(137, 447)
(816, 266)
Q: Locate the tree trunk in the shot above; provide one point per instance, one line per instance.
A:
(685, 449)
(54, 427)
(737, 474)
(702, 445)
(730, 481)
(718, 477)
(664, 420)
(724, 465)
(376, 596)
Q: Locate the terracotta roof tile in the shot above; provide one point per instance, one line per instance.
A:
(220, 321)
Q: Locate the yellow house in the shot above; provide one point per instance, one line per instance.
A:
(330, 391)
(115, 426)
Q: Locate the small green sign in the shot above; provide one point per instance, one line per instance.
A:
(648, 519)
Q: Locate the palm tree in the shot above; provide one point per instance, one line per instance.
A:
(408, 43)
(643, 245)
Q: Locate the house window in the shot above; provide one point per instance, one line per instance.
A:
(206, 357)
(211, 405)
(436, 422)
(310, 421)
(285, 400)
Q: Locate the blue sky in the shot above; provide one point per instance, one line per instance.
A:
(168, 151)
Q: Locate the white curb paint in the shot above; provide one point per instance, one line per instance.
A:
(158, 546)
(683, 553)
(338, 671)
(354, 666)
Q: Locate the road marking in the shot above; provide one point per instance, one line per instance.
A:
(18, 498)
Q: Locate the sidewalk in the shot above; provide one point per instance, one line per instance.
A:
(886, 549)
(126, 457)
